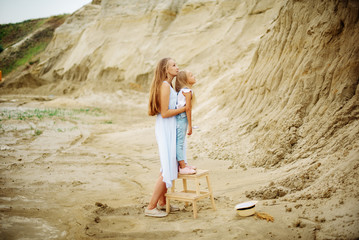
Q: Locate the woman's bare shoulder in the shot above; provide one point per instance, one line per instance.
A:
(165, 87)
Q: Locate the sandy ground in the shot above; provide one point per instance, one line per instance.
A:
(88, 170)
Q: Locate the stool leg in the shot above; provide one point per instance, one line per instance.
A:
(197, 187)
(184, 185)
(167, 205)
(194, 204)
(184, 181)
(173, 186)
(211, 193)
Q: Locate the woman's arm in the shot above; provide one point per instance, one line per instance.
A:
(189, 110)
(164, 101)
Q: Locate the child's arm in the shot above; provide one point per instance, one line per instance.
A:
(165, 99)
(189, 110)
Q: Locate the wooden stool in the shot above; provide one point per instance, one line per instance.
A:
(191, 196)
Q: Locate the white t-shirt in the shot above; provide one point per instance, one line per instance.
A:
(181, 99)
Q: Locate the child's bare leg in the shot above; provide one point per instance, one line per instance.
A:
(182, 164)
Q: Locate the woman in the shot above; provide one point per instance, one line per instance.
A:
(162, 103)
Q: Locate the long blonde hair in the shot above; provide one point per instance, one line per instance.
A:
(182, 81)
(160, 75)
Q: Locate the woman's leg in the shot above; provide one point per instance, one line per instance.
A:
(162, 199)
(158, 194)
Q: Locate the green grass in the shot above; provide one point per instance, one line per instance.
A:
(38, 132)
(46, 113)
(41, 114)
(92, 111)
(28, 55)
(14, 32)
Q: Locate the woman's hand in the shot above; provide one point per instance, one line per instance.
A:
(164, 102)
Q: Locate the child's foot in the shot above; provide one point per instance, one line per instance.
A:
(191, 167)
(187, 171)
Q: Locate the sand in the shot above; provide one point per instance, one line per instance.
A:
(91, 171)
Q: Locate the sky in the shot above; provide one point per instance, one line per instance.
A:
(13, 11)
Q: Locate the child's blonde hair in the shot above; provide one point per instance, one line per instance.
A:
(160, 75)
(182, 81)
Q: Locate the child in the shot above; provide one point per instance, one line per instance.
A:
(184, 81)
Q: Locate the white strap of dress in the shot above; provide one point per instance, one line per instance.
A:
(186, 90)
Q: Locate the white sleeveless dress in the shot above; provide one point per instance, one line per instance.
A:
(166, 140)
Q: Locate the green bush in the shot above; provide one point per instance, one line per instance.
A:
(13, 33)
